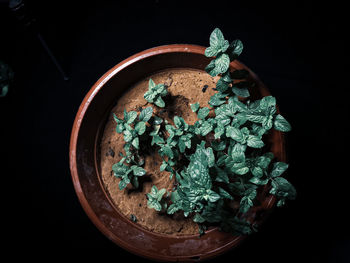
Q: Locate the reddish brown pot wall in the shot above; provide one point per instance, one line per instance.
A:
(84, 146)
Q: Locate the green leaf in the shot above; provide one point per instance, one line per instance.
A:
(282, 188)
(211, 51)
(221, 175)
(235, 134)
(167, 151)
(120, 128)
(146, 114)
(257, 171)
(213, 196)
(245, 204)
(278, 169)
(205, 128)
(216, 38)
(217, 43)
(135, 142)
(254, 141)
(222, 63)
(211, 69)
(224, 194)
(242, 92)
(281, 124)
(267, 103)
(159, 102)
(258, 181)
(236, 47)
(127, 136)
(217, 99)
(151, 84)
(138, 171)
(131, 116)
(222, 86)
(140, 127)
(203, 112)
(123, 183)
(195, 107)
(116, 119)
(218, 146)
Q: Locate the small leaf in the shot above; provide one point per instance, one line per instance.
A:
(245, 204)
(216, 37)
(127, 136)
(254, 141)
(213, 196)
(151, 84)
(224, 194)
(203, 112)
(218, 146)
(195, 107)
(146, 114)
(237, 47)
(205, 128)
(132, 115)
(222, 63)
(258, 181)
(159, 102)
(222, 86)
(278, 169)
(138, 171)
(242, 92)
(123, 183)
(140, 127)
(234, 133)
(135, 142)
(281, 124)
(217, 99)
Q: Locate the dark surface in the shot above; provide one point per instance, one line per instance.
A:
(298, 51)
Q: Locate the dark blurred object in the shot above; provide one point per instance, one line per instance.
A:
(6, 77)
(24, 16)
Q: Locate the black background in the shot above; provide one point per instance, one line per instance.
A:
(296, 48)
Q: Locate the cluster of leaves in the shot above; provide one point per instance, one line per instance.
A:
(218, 160)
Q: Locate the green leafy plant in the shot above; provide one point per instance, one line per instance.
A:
(211, 173)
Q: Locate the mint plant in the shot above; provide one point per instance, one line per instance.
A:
(218, 161)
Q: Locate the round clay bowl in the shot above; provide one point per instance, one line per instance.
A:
(84, 163)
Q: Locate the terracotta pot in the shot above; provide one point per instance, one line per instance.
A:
(84, 163)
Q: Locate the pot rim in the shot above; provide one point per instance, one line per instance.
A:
(172, 48)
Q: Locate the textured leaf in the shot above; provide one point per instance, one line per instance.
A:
(138, 171)
(132, 115)
(242, 92)
(136, 142)
(140, 127)
(237, 47)
(254, 141)
(222, 63)
(235, 134)
(146, 114)
(203, 112)
(205, 128)
(195, 107)
(159, 102)
(281, 124)
(216, 38)
(127, 136)
(224, 194)
(278, 169)
(222, 86)
(217, 99)
(213, 196)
